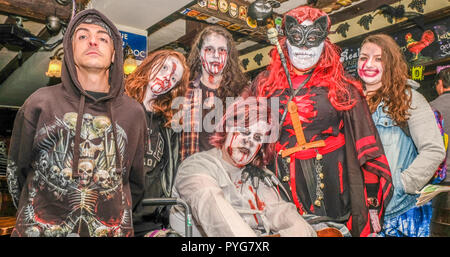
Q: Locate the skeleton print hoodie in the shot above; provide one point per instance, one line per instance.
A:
(75, 166)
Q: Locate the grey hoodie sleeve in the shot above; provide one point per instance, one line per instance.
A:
(430, 147)
(19, 156)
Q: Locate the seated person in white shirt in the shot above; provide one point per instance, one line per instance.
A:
(228, 188)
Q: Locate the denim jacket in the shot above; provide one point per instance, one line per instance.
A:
(413, 160)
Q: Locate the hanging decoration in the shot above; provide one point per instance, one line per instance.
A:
(233, 10)
(417, 5)
(365, 21)
(342, 29)
(394, 15)
(223, 6)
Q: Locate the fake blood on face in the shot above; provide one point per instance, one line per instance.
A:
(370, 73)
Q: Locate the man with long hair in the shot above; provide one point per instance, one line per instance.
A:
(344, 176)
(215, 75)
(161, 77)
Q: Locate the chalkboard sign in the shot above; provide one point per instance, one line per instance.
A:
(424, 46)
(419, 46)
(349, 59)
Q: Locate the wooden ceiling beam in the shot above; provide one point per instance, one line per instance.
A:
(18, 60)
(428, 18)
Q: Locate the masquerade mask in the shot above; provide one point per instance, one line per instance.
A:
(306, 36)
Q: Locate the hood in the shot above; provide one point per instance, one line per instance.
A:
(412, 83)
(73, 87)
(69, 73)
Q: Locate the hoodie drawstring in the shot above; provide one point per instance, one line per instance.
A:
(76, 144)
(118, 156)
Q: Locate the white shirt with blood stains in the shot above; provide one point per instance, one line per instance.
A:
(222, 206)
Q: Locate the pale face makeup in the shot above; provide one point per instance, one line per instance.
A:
(242, 144)
(303, 58)
(166, 78)
(214, 54)
(370, 66)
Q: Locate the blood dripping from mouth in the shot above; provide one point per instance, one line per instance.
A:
(214, 68)
(165, 84)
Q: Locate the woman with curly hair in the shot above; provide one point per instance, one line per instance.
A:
(215, 75)
(408, 130)
(160, 78)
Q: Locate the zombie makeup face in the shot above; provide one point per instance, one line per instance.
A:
(214, 54)
(242, 144)
(305, 41)
(370, 66)
(167, 77)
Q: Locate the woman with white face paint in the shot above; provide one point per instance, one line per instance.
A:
(160, 78)
(215, 75)
(217, 186)
(408, 131)
(335, 177)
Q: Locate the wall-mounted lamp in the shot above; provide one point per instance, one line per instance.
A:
(130, 64)
(54, 66)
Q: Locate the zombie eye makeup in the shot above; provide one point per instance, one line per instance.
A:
(308, 36)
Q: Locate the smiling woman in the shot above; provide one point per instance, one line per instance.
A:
(396, 108)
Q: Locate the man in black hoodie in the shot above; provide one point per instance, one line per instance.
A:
(75, 166)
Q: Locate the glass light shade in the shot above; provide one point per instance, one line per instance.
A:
(54, 68)
(129, 65)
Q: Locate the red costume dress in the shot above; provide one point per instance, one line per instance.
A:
(353, 172)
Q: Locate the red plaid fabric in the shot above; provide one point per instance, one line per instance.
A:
(192, 108)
